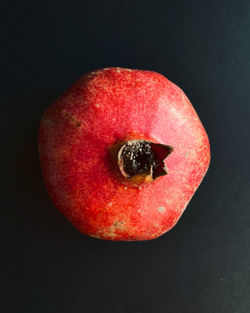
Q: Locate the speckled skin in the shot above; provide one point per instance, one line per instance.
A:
(102, 108)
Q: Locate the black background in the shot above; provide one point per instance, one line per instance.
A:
(203, 264)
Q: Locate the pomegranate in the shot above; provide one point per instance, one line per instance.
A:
(122, 152)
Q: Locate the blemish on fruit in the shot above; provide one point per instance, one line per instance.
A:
(47, 121)
(118, 224)
(161, 209)
(73, 121)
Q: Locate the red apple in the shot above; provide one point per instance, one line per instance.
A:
(103, 146)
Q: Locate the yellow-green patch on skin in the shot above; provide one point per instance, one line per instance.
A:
(161, 209)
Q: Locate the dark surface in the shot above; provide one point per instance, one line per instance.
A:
(203, 264)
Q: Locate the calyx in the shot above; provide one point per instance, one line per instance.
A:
(141, 161)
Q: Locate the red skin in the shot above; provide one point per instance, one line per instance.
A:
(100, 109)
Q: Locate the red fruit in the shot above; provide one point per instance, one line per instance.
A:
(102, 148)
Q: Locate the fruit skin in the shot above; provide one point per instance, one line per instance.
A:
(75, 137)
